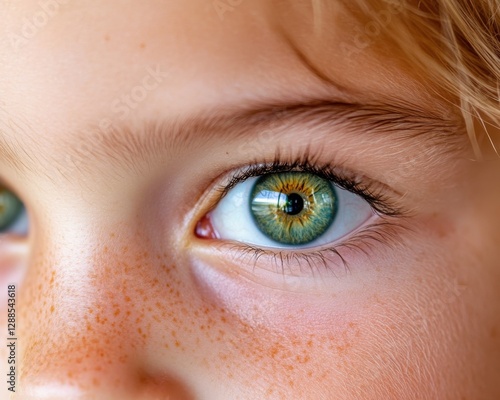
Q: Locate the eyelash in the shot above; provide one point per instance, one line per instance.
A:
(369, 190)
(379, 232)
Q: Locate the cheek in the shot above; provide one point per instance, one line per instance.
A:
(91, 317)
(306, 345)
(402, 334)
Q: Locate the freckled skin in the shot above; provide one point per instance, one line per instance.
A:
(118, 298)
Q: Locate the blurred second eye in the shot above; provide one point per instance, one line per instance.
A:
(288, 210)
(13, 216)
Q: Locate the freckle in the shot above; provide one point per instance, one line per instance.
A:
(142, 46)
(52, 308)
(127, 298)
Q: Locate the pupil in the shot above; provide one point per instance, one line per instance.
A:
(294, 204)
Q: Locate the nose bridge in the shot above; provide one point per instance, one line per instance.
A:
(76, 325)
(80, 324)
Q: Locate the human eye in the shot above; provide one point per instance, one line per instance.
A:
(13, 216)
(288, 210)
(298, 210)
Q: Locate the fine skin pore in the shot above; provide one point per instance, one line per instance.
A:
(118, 298)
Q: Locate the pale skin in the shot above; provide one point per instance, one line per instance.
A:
(118, 297)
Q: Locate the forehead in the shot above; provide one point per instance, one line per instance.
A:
(66, 66)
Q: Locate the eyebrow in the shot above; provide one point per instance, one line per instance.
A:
(124, 144)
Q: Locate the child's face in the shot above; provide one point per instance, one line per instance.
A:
(119, 123)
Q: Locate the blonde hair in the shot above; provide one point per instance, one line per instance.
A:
(455, 43)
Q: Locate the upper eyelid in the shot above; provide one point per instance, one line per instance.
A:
(385, 205)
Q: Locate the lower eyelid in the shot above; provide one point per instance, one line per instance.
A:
(334, 260)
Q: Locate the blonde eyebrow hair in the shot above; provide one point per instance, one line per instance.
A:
(126, 144)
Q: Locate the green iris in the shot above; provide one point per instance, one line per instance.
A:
(10, 208)
(293, 208)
